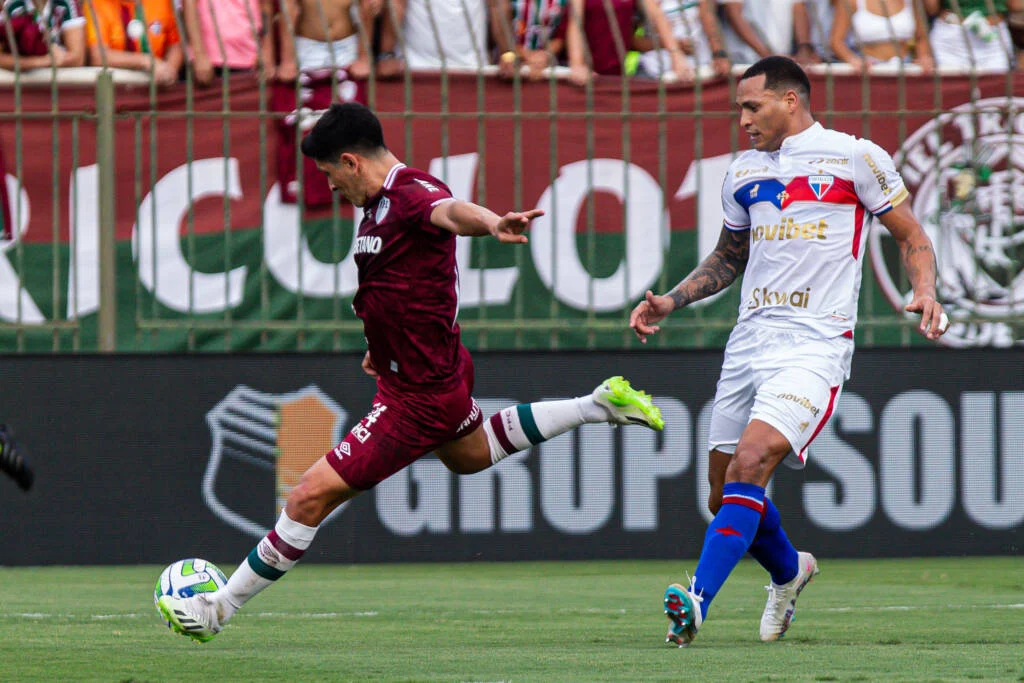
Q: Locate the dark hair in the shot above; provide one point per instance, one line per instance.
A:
(348, 127)
(781, 73)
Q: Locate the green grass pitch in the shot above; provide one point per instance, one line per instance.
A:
(917, 619)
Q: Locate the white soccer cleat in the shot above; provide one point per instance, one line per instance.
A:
(778, 612)
(195, 617)
(626, 405)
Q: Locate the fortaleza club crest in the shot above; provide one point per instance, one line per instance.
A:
(262, 443)
(820, 184)
(965, 170)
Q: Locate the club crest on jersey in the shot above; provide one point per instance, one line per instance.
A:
(820, 184)
(382, 210)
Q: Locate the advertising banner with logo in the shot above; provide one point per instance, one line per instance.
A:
(630, 186)
(144, 459)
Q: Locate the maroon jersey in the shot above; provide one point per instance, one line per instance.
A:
(408, 296)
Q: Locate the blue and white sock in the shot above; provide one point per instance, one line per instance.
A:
(728, 537)
(772, 549)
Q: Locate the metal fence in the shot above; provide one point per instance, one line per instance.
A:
(146, 218)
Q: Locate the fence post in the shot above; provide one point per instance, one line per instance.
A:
(107, 341)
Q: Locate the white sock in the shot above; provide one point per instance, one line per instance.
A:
(275, 554)
(517, 428)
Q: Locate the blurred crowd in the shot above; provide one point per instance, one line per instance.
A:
(672, 39)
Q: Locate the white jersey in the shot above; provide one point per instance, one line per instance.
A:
(807, 208)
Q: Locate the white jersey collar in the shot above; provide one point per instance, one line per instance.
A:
(802, 137)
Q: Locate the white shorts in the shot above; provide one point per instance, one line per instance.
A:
(791, 380)
(316, 54)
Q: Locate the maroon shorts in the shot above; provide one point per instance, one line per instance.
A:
(402, 427)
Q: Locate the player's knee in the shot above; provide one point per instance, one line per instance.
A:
(308, 500)
(751, 464)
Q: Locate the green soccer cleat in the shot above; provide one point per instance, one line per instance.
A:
(194, 617)
(626, 405)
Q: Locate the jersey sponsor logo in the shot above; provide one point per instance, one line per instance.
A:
(789, 229)
(342, 449)
(382, 210)
(362, 430)
(368, 244)
(820, 184)
(802, 401)
(963, 170)
(762, 297)
(744, 172)
(831, 161)
(428, 186)
(283, 434)
(883, 185)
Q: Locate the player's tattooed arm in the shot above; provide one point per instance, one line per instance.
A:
(918, 257)
(916, 249)
(716, 272)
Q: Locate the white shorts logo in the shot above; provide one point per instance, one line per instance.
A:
(963, 169)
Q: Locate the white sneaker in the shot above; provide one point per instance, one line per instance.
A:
(195, 617)
(626, 405)
(778, 612)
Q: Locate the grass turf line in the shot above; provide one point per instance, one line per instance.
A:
(917, 619)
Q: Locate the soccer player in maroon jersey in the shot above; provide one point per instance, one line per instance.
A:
(408, 300)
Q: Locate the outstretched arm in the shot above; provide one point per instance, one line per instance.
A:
(919, 260)
(716, 272)
(473, 220)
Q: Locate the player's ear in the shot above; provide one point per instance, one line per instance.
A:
(791, 99)
(349, 161)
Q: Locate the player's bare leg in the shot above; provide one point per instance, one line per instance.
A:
(318, 493)
(520, 427)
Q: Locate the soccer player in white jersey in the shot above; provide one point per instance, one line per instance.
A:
(797, 209)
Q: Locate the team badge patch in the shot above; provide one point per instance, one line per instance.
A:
(382, 210)
(820, 184)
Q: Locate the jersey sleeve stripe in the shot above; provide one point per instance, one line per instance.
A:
(442, 200)
(900, 197)
(734, 227)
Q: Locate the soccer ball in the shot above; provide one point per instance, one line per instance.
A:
(186, 578)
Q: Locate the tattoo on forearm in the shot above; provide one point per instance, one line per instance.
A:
(719, 270)
(919, 260)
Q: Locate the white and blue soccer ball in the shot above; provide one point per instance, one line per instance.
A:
(186, 578)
